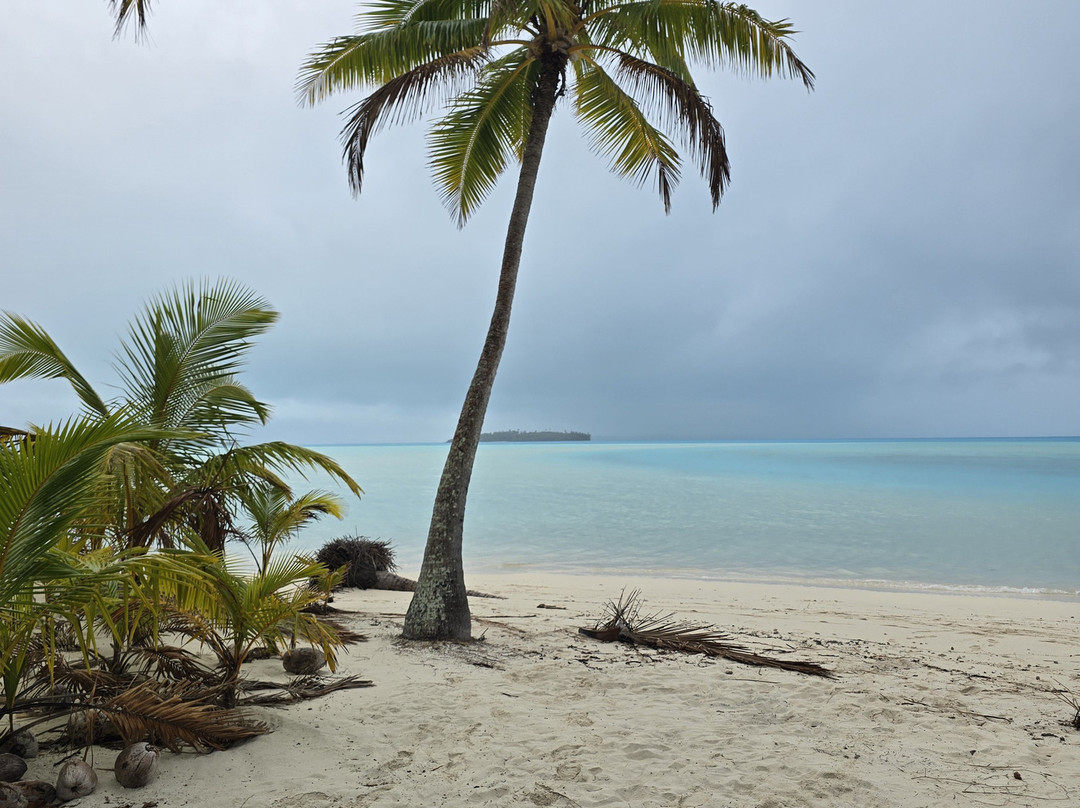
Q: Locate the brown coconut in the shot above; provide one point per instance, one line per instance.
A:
(11, 797)
(303, 661)
(77, 778)
(38, 793)
(136, 765)
(22, 743)
(12, 767)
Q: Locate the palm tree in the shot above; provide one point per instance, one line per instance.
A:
(178, 371)
(502, 65)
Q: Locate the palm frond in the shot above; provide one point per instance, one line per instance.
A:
(189, 342)
(719, 34)
(141, 713)
(620, 130)
(469, 148)
(127, 10)
(624, 622)
(690, 114)
(28, 352)
(301, 688)
(262, 460)
(404, 97)
(376, 57)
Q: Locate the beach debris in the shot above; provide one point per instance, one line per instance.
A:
(12, 767)
(303, 661)
(369, 565)
(37, 793)
(21, 743)
(362, 557)
(300, 689)
(11, 797)
(624, 622)
(136, 765)
(77, 778)
(1074, 703)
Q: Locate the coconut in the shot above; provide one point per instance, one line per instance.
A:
(136, 765)
(22, 743)
(38, 793)
(77, 778)
(303, 661)
(11, 797)
(12, 767)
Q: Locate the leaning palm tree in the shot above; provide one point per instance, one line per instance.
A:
(502, 65)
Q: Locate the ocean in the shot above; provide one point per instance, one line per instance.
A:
(957, 515)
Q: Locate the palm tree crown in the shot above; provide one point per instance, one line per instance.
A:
(626, 66)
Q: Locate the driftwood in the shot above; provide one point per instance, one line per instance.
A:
(397, 583)
(623, 622)
(369, 564)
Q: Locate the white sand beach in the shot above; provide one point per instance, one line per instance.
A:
(938, 700)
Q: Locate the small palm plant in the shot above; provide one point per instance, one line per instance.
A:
(178, 371)
(50, 483)
(244, 612)
(276, 517)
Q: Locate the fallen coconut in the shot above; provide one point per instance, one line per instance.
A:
(12, 767)
(11, 797)
(22, 743)
(38, 793)
(303, 661)
(77, 778)
(136, 765)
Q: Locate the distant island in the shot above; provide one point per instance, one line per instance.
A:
(518, 435)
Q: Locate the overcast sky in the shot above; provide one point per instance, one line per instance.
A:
(898, 253)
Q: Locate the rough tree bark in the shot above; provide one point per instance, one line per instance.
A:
(439, 609)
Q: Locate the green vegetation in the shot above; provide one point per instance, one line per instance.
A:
(501, 67)
(512, 435)
(113, 528)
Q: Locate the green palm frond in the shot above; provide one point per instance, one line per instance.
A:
(401, 99)
(469, 147)
(728, 35)
(50, 483)
(620, 129)
(377, 57)
(188, 341)
(690, 113)
(276, 517)
(27, 352)
(262, 460)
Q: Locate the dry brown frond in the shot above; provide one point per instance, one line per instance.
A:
(301, 688)
(624, 622)
(143, 714)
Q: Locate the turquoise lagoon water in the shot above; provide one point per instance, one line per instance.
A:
(998, 515)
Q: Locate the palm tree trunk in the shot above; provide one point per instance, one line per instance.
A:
(439, 609)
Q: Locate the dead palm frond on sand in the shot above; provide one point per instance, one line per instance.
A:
(623, 621)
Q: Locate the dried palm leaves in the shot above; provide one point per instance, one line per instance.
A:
(624, 622)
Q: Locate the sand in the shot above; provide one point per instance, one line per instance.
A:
(939, 700)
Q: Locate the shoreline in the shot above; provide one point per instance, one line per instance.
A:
(937, 698)
(770, 579)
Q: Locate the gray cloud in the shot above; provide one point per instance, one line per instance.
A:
(897, 255)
